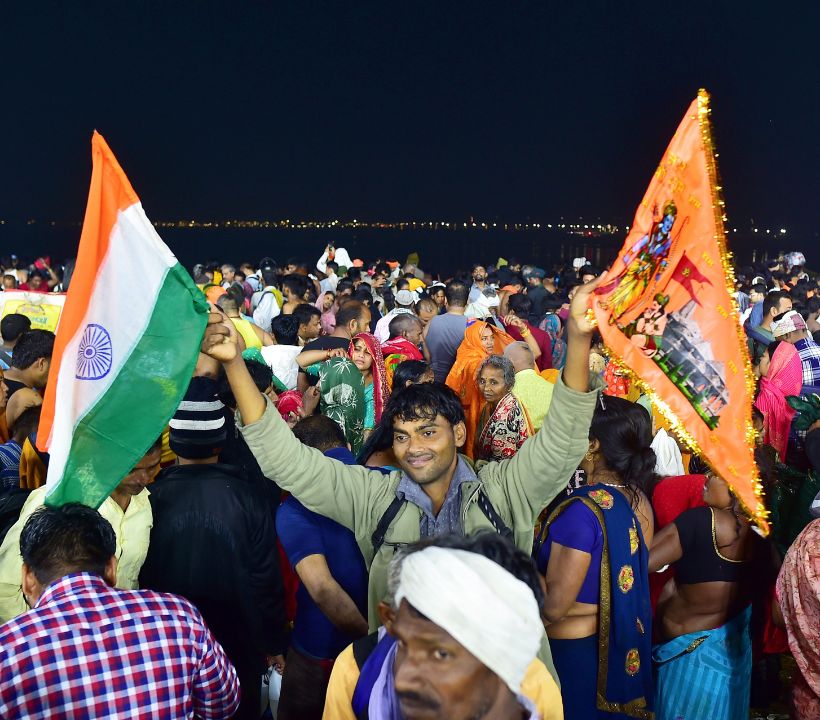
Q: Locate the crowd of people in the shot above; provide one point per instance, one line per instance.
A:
(388, 494)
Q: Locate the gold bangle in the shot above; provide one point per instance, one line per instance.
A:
(525, 332)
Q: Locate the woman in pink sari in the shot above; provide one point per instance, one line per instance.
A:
(781, 375)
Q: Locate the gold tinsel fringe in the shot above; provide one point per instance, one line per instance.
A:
(759, 515)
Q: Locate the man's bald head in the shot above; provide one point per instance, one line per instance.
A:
(520, 355)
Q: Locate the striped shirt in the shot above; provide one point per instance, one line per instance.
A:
(10, 465)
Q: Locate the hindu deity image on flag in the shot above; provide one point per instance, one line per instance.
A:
(667, 313)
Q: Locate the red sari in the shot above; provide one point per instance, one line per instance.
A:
(381, 392)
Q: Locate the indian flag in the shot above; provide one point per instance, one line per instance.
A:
(126, 346)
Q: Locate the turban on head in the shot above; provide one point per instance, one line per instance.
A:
(490, 612)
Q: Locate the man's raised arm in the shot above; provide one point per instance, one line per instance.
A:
(545, 462)
(328, 487)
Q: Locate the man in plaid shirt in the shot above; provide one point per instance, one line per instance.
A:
(89, 650)
(792, 328)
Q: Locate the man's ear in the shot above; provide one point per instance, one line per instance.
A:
(460, 433)
(386, 614)
(30, 585)
(110, 571)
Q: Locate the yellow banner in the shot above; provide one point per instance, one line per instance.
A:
(43, 309)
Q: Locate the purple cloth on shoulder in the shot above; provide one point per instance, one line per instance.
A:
(577, 528)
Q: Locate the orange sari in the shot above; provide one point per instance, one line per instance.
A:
(462, 377)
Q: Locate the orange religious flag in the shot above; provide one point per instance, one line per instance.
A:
(667, 312)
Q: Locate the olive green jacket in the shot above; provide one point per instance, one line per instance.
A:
(518, 488)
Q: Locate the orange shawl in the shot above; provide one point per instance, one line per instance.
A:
(462, 377)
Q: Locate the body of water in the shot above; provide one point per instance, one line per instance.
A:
(443, 251)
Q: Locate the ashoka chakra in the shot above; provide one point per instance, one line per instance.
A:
(95, 356)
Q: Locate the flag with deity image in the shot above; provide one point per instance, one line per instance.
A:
(667, 313)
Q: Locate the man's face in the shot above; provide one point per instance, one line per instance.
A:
(439, 297)
(363, 323)
(379, 279)
(9, 282)
(290, 268)
(587, 278)
(426, 314)
(143, 473)
(414, 334)
(38, 372)
(756, 297)
(480, 274)
(312, 329)
(228, 274)
(426, 449)
(794, 336)
(784, 306)
(435, 677)
(35, 282)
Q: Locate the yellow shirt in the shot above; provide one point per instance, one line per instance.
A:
(538, 686)
(132, 529)
(535, 394)
(245, 329)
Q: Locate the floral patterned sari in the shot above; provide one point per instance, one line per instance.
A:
(505, 431)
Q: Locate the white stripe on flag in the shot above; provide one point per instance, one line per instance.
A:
(124, 309)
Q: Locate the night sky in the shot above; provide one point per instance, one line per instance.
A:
(404, 110)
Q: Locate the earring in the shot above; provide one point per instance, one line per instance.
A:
(588, 456)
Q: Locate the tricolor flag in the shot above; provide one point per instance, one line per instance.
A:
(667, 313)
(126, 347)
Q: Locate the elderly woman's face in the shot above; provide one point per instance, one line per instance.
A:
(491, 384)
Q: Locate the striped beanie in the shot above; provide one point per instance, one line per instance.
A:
(197, 429)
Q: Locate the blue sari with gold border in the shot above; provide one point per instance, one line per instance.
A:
(624, 679)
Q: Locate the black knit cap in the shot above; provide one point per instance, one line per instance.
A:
(197, 429)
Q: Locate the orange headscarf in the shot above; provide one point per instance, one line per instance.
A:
(462, 377)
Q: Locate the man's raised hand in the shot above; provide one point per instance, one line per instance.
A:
(220, 338)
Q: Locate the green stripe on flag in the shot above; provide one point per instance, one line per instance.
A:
(114, 435)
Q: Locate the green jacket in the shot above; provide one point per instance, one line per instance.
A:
(518, 488)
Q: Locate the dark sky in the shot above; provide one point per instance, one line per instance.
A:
(404, 110)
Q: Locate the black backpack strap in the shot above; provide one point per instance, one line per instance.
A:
(490, 513)
(363, 647)
(5, 357)
(377, 538)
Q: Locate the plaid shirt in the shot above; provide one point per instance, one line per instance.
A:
(91, 651)
(809, 352)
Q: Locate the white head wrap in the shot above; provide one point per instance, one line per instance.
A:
(667, 453)
(342, 257)
(480, 309)
(486, 609)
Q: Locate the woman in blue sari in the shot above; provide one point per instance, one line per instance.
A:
(704, 660)
(594, 557)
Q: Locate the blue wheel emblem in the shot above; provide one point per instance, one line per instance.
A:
(95, 356)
